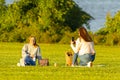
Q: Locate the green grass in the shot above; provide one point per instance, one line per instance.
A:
(106, 65)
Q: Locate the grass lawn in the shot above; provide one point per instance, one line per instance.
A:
(106, 65)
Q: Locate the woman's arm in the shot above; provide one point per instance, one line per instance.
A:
(92, 48)
(38, 55)
(25, 50)
(76, 47)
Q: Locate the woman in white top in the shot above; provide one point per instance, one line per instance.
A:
(84, 48)
(30, 52)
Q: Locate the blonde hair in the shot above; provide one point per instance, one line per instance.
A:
(84, 34)
(35, 45)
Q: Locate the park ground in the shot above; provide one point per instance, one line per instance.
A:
(106, 65)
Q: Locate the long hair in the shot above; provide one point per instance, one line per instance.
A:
(84, 34)
(35, 44)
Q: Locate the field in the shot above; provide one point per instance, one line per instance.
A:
(106, 65)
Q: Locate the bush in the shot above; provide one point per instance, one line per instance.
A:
(99, 39)
(113, 39)
(67, 37)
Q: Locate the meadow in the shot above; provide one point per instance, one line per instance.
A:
(106, 65)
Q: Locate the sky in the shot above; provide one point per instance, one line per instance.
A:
(96, 8)
(9, 1)
(99, 9)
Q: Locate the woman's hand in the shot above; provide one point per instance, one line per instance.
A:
(72, 42)
(32, 55)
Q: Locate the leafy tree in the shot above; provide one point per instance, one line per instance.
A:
(111, 32)
(51, 18)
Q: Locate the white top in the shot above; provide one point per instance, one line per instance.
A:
(31, 50)
(83, 47)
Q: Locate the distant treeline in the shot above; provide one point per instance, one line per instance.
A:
(110, 33)
(49, 20)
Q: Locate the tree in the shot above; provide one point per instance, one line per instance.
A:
(48, 17)
(111, 32)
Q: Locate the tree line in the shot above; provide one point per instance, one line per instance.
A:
(110, 33)
(49, 20)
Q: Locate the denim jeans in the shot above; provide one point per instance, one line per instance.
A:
(92, 57)
(84, 59)
(75, 56)
(29, 61)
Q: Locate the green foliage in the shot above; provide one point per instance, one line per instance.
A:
(67, 37)
(113, 39)
(76, 17)
(112, 23)
(2, 7)
(46, 19)
(99, 39)
(110, 34)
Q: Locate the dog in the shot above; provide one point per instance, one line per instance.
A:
(68, 56)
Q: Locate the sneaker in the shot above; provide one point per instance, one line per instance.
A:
(22, 62)
(18, 64)
(89, 64)
(72, 65)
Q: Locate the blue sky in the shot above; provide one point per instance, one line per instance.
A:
(96, 8)
(9, 1)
